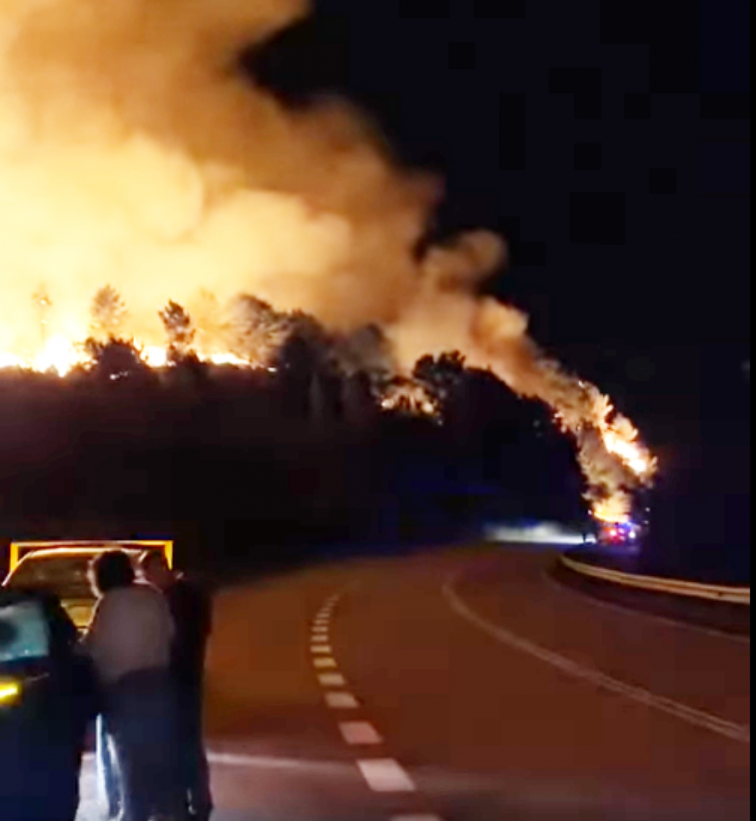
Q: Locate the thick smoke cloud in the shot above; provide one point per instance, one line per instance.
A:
(134, 153)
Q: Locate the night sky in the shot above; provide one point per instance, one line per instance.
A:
(609, 141)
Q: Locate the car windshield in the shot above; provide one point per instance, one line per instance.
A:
(24, 634)
(66, 577)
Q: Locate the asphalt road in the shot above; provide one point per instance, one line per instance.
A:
(473, 688)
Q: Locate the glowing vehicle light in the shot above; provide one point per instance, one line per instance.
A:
(10, 691)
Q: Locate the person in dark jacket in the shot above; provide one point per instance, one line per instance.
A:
(191, 612)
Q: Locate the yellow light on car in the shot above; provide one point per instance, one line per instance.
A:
(10, 692)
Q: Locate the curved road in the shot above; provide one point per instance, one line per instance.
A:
(468, 686)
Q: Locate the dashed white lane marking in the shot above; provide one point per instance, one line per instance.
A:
(386, 776)
(332, 680)
(735, 732)
(360, 734)
(341, 701)
(382, 775)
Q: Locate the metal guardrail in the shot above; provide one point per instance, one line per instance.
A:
(675, 587)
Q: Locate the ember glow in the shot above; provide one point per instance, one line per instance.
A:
(132, 155)
(408, 396)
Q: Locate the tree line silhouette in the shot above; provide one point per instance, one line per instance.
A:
(321, 443)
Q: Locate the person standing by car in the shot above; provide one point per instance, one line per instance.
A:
(130, 641)
(192, 616)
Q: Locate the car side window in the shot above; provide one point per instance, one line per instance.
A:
(24, 633)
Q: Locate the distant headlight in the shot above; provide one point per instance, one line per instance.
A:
(10, 693)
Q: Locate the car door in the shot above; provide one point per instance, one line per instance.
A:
(40, 730)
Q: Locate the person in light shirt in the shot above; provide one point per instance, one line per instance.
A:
(130, 642)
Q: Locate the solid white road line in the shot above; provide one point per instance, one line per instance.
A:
(728, 729)
(332, 680)
(360, 733)
(325, 664)
(386, 776)
(341, 701)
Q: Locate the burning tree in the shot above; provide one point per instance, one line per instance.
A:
(368, 351)
(441, 376)
(180, 329)
(407, 397)
(209, 321)
(108, 313)
(115, 359)
(259, 330)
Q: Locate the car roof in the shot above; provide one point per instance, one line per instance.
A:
(74, 553)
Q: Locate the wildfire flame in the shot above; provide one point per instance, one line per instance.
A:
(622, 439)
(60, 356)
(614, 510)
(411, 398)
(131, 154)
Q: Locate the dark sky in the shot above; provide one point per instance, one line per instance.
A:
(607, 139)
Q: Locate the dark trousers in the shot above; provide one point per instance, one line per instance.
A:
(142, 721)
(195, 772)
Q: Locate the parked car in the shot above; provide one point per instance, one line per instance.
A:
(62, 568)
(46, 700)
